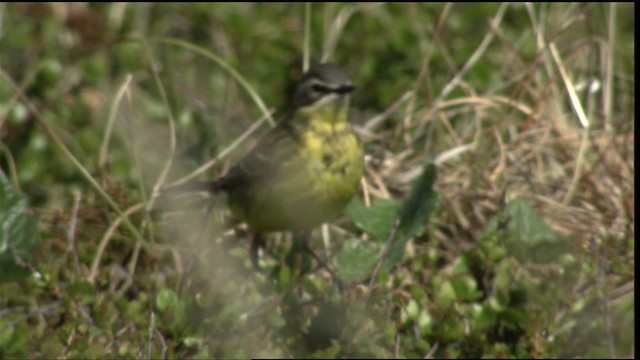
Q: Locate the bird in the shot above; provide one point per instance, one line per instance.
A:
(304, 171)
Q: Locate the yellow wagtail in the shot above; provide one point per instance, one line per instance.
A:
(306, 169)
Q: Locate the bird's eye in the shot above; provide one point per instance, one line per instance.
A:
(321, 88)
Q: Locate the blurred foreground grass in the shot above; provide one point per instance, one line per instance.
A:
(523, 246)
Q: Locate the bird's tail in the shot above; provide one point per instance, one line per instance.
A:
(187, 196)
(193, 186)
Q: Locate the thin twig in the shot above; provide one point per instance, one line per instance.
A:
(172, 130)
(152, 328)
(601, 262)
(575, 101)
(102, 158)
(163, 352)
(222, 154)
(7, 106)
(375, 121)
(608, 87)
(306, 52)
(43, 310)
(131, 269)
(338, 25)
(67, 153)
(432, 352)
(13, 172)
(107, 237)
(323, 264)
(365, 191)
(225, 65)
(71, 234)
(326, 240)
(473, 59)
(578, 108)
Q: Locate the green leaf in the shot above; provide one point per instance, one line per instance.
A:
(412, 309)
(527, 237)
(445, 294)
(166, 299)
(424, 320)
(192, 340)
(484, 316)
(355, 259)
(465, 288)
(18, 232)
(14, 338)
(377, 219)
(452, 329)
(414, 213)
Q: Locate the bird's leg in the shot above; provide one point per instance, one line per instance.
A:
(205, 221)
(321, 262)
(257, 243)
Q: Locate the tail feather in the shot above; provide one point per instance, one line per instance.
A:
(184, 196)
(193, 186)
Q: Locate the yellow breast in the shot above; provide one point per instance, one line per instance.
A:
(320, 176)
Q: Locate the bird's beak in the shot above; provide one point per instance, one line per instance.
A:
(345, 89)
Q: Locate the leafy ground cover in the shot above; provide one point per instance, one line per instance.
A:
(496, 217)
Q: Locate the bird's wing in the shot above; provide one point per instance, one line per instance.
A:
(264, 160)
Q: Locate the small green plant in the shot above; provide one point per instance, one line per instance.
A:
(18, 233)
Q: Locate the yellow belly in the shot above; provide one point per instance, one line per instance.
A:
(312, 186)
